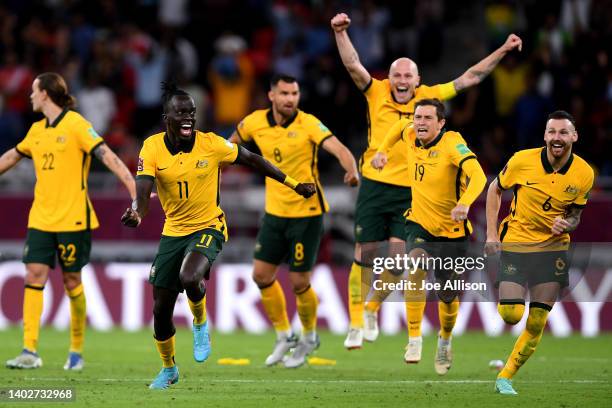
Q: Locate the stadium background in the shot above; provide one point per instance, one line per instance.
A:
(114, 54)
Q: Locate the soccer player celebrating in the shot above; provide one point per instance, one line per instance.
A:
(291, 227)
(437, 224)
(62, 217)
(385, 195)
(551, 186)
(185, 165)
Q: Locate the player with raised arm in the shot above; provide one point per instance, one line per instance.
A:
(551, 187)
(185, 164)
(62, 217)
(384, 196)
(291, 228)
(437, 224)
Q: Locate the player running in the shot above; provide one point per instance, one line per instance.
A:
(551, 186)
(292, 227)
(384, 196)
(62, 217)
(437, 225)
(185, 164)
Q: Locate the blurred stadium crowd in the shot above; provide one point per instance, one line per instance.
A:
(115, 53)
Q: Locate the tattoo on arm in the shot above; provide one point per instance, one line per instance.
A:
(573, 218)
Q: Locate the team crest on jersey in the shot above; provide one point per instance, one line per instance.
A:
(510, 269)
(571, 190)
(433, 154)
(292, 134)
(140, 164)
(61, 139)
(201, 164)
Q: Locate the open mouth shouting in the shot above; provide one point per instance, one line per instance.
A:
(186, 129)
(557, 148)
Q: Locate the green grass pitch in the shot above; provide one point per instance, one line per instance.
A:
(564, 372)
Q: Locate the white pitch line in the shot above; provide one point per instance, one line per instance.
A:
(254, 381)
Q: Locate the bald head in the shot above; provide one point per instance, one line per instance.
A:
(404, 64)
(403, 79)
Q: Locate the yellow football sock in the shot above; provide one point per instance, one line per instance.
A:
(32, 310)
(307, 302)
(528, 340)
(357, 292)
(415, 303)
(166, 351)
(198, 309)
(274, 304)
(511, 310)
(78, 318)
(379, 296)
(447, 313)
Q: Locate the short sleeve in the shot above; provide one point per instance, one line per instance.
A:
(318, 132)
(24, 147)
(508, 177)
(86, 136)
(227, 152)
(583, 195)
(373, 89)
(458, 150)
(245, 129)
(146, 161)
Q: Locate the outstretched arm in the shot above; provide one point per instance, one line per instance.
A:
(345, 157)
(348, 54)
(140, 206)
(9, 159)
(475, 74)
(114, 164)
(264, 167)
(494, 194)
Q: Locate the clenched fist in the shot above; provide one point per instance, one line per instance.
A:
(340, 22)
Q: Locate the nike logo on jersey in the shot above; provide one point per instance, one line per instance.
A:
(530, 184)
(162, 169)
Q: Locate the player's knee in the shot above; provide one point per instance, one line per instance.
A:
(262, 278)
(71, 280)
(447, 296)
(36, 274)
(538, 315)
(511, 310)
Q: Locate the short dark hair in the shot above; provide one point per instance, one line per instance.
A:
(56, 88)
(561, 114)
(170, 90)
(276, 78)
(440, 110)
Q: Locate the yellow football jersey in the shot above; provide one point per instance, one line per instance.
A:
(540, 195)
(438, 182)
(60, 152)
(188, 181)
(293, 148)
(383, 112)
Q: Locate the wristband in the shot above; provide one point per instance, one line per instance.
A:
(291, 183)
